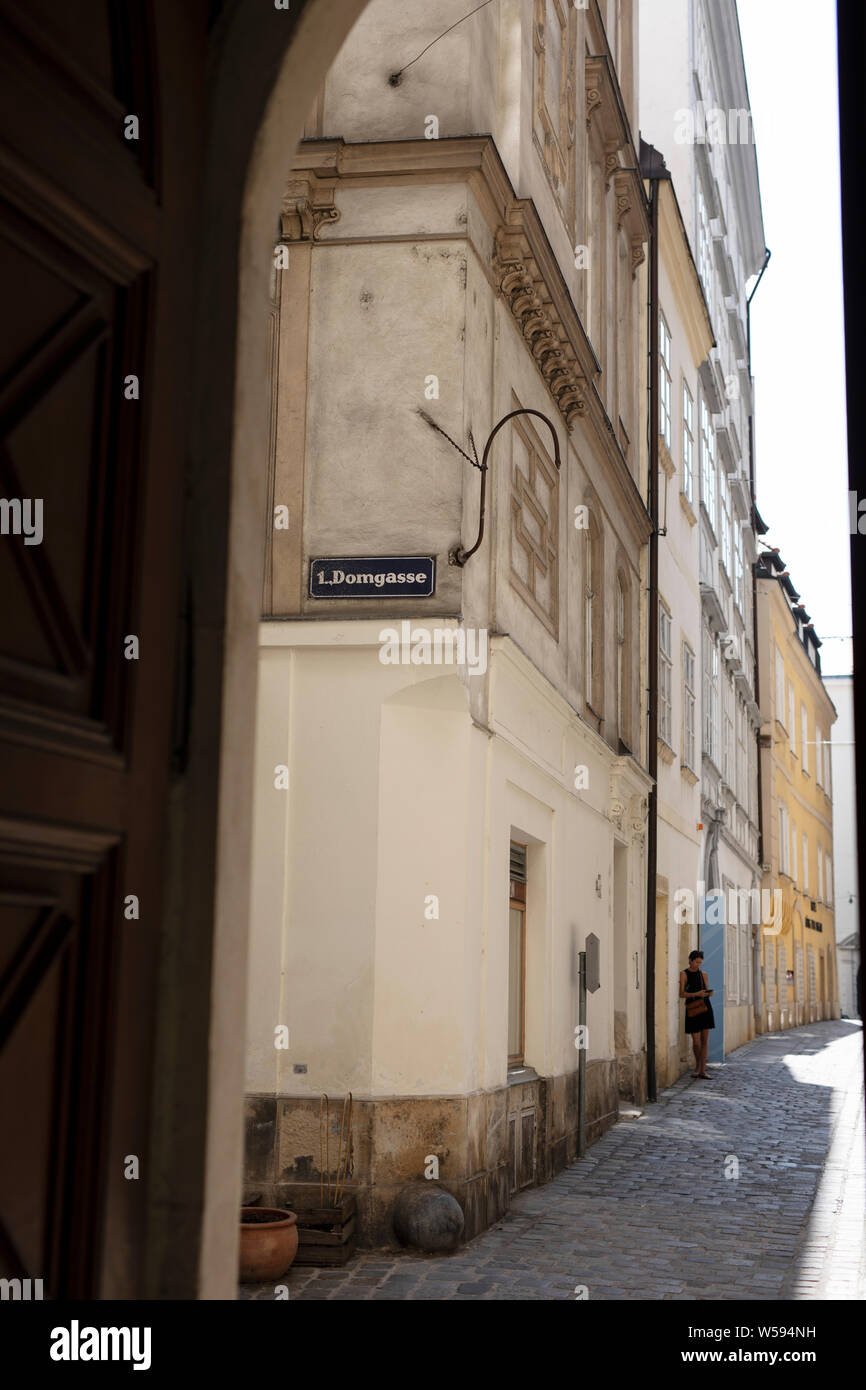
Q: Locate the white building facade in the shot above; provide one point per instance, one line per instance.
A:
(440, 828)
(694, 108)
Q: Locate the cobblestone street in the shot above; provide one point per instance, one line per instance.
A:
(649, 1212)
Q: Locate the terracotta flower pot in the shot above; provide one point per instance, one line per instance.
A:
(269, 1243)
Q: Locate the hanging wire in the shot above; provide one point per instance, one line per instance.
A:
(396, 77)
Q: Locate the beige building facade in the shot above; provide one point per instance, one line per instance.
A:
(800, 977)
(451, 792)
(685, 339)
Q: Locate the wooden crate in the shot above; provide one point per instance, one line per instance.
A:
(326, 1235)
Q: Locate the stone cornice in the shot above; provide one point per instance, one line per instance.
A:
(527, 277)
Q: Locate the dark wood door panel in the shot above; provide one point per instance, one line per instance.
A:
(57, 980)
(98, 248)
(70, 451)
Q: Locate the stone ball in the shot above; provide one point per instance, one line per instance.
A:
(428, 1218)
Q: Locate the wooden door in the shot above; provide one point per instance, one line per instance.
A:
(97, 232)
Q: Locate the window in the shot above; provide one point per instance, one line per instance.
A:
(711, 696)
(728, 772)
(705, 261)
(664, 382)
(708, 464)
(784, 842)
(742, 756)
(688, 706)
(732, 963)
(780, 687)
(665, 675)
(828, 885)
(819, 755)
(820, 874)
(688, 445)
(725, 524)
(805, 862)
(793, 851)
(623, 652)
(804, 736)
(792, 736)
(592, 615)
(516, 955)
(739, 573)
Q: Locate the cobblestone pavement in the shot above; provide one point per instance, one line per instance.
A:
(649, 1213)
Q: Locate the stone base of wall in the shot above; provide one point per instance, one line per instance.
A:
(487, 1146)
(631, 1076)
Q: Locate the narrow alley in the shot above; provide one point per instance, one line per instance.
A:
(748, 1186)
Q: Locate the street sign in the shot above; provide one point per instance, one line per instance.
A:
(593, 964)
(377, 576)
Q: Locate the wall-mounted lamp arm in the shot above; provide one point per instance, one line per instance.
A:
(459, 556)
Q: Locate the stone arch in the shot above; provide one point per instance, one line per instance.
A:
(265, 67)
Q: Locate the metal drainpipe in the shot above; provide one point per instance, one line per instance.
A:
(653, 641)
(757, 686)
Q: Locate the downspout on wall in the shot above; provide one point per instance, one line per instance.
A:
(757, 941)
(653, 169)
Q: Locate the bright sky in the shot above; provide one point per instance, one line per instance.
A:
(797, 314)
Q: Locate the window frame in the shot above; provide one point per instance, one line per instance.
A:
(517, 894)
(689, 708)
(665, 383)
(688, 444)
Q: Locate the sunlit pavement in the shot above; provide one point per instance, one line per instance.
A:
(748, 1186)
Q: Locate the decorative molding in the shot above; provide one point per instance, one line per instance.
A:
(554, 130)
(604, 111)
(520, 281)
(631, 212)
(308, 204)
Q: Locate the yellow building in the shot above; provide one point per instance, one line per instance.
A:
(799, 981)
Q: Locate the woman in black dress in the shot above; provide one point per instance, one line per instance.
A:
(699, 1011)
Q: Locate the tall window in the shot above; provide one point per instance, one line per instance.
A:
(805, 862)
(711, 697)
(780, 687)
(622, 690)
(728, 731)
(819, 755)
(804, 737)
(517, 955)
(708, 464)
(725, 524)
(664, 382)
(593, 614)
(793, 851)
(828, 865)
(739, 573)
(820, 874)
(792, 728)
(784, 841)
(665, 675)
(688, 445)
(742, 756)
(705, 260)
(688, 706)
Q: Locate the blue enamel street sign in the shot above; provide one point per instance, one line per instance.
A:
(378, 576)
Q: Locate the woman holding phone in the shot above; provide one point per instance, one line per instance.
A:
(699, 1011)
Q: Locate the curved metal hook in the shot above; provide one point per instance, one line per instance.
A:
(460, 556)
